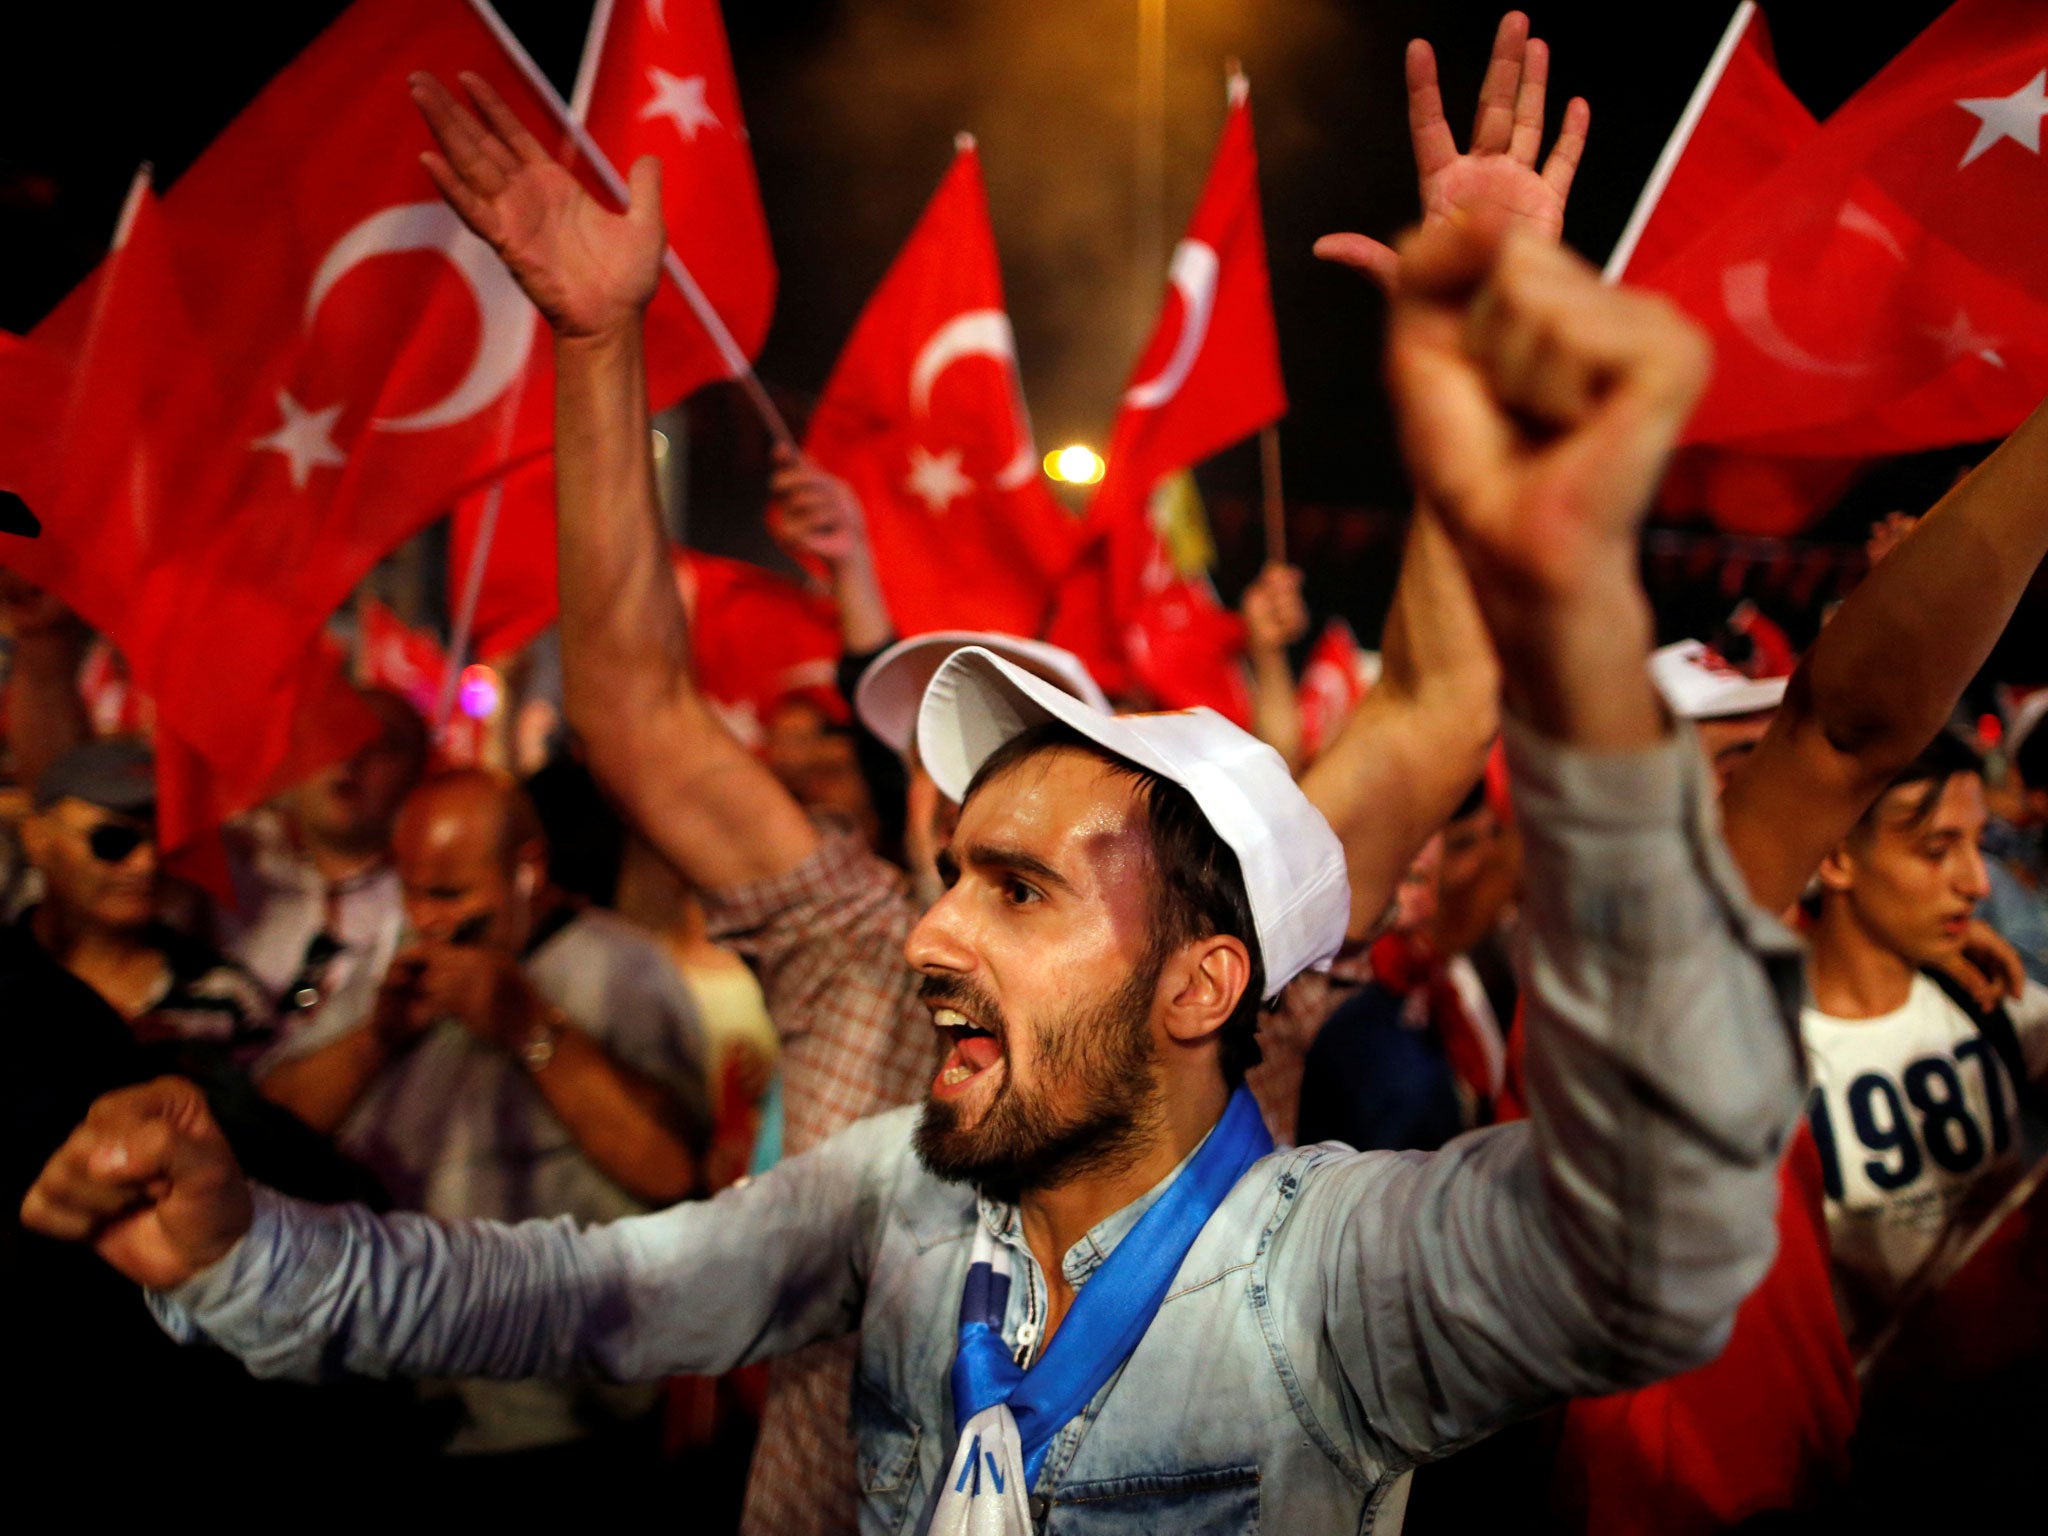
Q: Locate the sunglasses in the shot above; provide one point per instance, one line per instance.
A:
(113, 841)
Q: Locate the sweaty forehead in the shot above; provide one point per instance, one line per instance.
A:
(1065, 807)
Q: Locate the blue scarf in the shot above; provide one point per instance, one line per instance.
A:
(1110, 1313)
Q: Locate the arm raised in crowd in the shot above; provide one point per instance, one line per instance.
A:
(1417, 744)
(1609, 1241)
(653, 739)
(1888, 669)
(1274, 618)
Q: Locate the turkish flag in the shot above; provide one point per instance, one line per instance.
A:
(1337, 677)
(1209, 376)
(924, 417)
(1886, 289)
(755, 638)
(657, 80)
(1741, 125)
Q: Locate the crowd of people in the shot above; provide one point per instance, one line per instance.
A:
(1085, 1119)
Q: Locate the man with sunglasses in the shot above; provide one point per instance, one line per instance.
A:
(92, 838)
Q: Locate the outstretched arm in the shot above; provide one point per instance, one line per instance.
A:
(654, 741)
(1888, 669)
(1274, 618)
(300, 1290)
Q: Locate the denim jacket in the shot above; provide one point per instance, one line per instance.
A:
(1341, 1317)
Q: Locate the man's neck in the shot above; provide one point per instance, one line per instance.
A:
(119, 964)
(1056, 1219)
(1853, 976)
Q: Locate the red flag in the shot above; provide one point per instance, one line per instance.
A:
(1211, 373)
(657, 80)
(924, 417)
(1741, 124)
(1337, 677)
(1886, 289)
(364, 348)
(1209, 376)
(756, 637)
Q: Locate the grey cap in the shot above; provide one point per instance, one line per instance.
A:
(118, 775)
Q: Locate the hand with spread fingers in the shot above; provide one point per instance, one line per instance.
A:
(1498, 175)
(149, 1181)
(588, 270)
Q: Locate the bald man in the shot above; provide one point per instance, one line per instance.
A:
(526, 1057)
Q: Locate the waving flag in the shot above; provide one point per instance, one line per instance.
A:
(1209, 376)
(657, 80)
(1886, 289)
(924, 417)
(1334, 681)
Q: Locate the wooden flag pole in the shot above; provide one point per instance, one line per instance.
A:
(1275, 501)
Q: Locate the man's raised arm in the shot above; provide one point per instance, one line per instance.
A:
(653, 740)
(1608, 1241)
(1886, 672)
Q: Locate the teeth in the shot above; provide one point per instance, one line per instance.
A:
(948, 1018)
(954, 1075)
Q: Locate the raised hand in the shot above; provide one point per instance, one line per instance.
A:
(149, 1181)
(589, 271)
(1537, 405)
(814, 513)
(1273, 612)
(1497, 176)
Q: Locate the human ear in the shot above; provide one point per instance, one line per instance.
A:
(1208, 979)
(1838, 870)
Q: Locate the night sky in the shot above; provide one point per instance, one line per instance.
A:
(852, 108)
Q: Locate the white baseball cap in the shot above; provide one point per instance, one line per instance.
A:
(893, 685)
(1292, 863)
(1699, 685)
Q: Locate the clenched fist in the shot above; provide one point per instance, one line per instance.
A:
(149, 1181)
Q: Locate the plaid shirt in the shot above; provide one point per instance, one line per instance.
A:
(826, 939)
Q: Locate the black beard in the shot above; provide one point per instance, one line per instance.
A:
(1099, 1118)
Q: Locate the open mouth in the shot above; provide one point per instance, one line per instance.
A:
(975, 1052)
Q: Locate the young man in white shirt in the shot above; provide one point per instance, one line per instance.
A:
(1914, 1104)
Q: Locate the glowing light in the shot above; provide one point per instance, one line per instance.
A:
(479, 693)
(660, 445)
(1075, 464)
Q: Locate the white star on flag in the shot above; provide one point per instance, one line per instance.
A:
(305, 438)
(2016, 117)
(681, 100)
(1960, 339)
(936, 478)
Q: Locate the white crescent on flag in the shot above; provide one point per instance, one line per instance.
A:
(977, 333)
(1193, 273)
(504, 317)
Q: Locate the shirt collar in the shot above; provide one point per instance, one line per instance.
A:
(1099, 1241)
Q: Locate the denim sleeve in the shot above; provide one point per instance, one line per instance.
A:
(1608, 1241)
(768, 1266)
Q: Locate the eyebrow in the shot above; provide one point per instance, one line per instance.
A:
(1005, 856)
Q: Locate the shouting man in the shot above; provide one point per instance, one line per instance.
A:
(1085, 1288)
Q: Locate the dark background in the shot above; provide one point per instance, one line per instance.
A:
(852, 106)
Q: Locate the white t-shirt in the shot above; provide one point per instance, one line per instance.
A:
(1917, 1122)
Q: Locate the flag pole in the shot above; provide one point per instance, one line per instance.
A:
(1276, 503)
(737, 366)
(1674, 147)
(586, 67)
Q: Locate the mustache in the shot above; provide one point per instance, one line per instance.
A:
(962, 995)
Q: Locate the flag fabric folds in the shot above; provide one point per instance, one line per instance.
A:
(1209, 376)
(1884, 289)
(924, 417)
